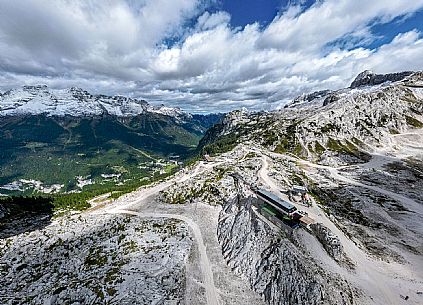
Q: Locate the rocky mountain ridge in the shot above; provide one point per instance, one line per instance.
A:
(346, 122)
(368, 78)
(359, 152)
(76, 102)
(365, 79)
(275, 265)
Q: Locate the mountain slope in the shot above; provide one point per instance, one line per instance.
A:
(364, 247)
(368, 140)
(66, 138)
(343, 124)
(359, 153)
(34, 100)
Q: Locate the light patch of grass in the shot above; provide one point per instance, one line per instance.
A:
(413, 122)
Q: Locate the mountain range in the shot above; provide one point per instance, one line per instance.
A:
(58, 139)
(339, 126)
(358, 153)
(76, 102)
(341, 222)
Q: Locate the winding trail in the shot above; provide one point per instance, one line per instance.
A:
(383, 282)
(146, 193)
(205, 266)
(409, 203)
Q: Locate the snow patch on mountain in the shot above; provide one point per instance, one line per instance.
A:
(35, 100)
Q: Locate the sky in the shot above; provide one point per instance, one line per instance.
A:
(206, 55)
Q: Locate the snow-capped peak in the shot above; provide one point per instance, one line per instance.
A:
(34, 100)
(169, 111)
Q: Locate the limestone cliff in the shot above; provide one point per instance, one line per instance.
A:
(275, 266)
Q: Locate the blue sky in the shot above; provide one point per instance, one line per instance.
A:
(206, 55)
(387, 31)
(244, 12)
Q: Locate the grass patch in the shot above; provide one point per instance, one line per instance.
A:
(393, 131)
(221, 145)
(347, 148)
(319, 148)
(413, 122)
(96, 258)
(335, 145)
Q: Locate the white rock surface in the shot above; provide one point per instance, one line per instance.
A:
(96, 260)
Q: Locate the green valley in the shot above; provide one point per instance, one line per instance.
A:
(93, 155)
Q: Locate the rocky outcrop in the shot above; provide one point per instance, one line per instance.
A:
(306, 98)
(275, 267)
(343, 131)
(329, 241)
(94, 259)
(330, 99)
(368, 78)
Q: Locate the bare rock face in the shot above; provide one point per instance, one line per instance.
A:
(276, 268)
(331, 98)
(330, 241)
(341, 127)
(96, 260)
(306, 98)
(368, 78)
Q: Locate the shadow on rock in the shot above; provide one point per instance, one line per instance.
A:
(24, 214)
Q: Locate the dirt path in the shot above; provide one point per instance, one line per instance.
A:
(384, 283)
(334, 173)
(409, 203)
(142, 196)
(205, 266)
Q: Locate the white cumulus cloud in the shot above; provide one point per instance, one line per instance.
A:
(177, 53)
